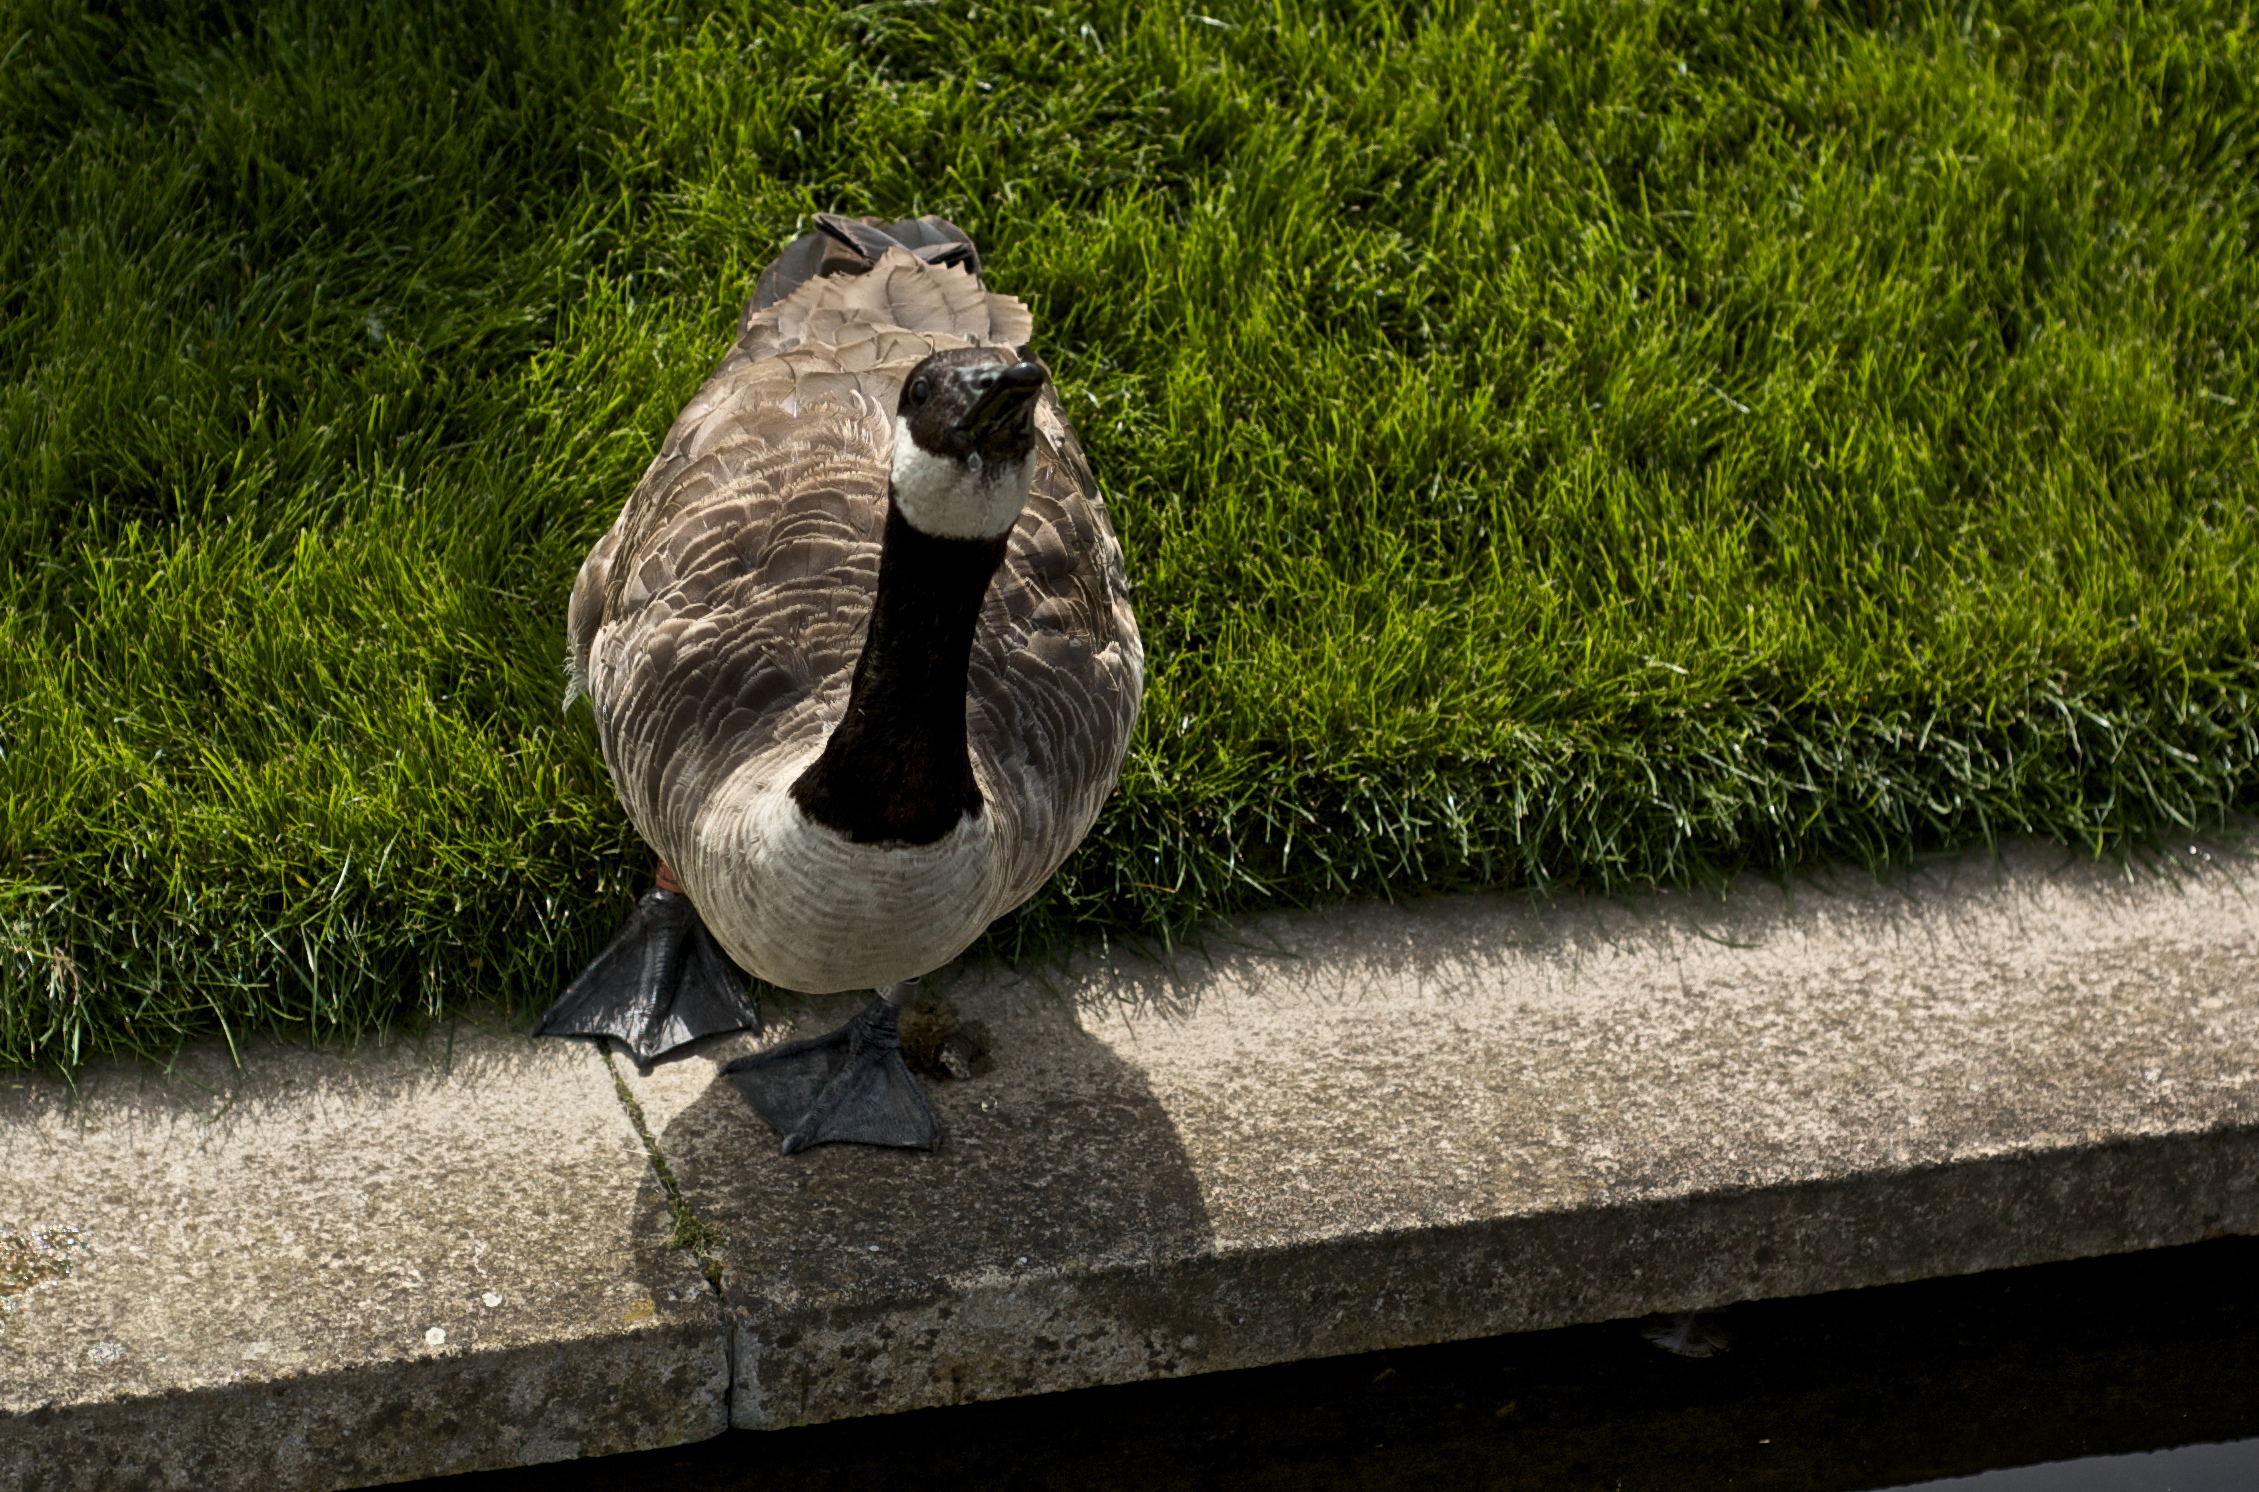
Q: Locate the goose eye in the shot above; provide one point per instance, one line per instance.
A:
(919, 388)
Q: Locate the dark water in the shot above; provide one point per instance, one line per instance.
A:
(2138, 1374)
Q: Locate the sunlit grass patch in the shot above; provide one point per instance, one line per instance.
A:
(1590, 444)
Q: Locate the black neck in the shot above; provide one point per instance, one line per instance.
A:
(896, 769)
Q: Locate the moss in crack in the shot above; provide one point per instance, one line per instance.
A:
(689, 1230)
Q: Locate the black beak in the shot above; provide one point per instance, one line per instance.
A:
(1001, 396)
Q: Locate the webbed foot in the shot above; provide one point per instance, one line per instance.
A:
(663, 982)
(846, 1085)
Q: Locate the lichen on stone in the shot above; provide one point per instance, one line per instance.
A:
(35, 1258)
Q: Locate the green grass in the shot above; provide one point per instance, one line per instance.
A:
(1591, 444)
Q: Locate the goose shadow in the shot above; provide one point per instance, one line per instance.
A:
(1155, 1178)
(1018, 1258)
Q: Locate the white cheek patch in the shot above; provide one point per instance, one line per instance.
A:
(940, 497)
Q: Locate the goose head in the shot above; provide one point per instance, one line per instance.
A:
(964, 442)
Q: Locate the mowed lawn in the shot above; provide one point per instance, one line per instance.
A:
(1588, 444)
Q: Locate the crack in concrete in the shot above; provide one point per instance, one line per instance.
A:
(690, 1231)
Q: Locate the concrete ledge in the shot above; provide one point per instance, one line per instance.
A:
(1385, 1126)
(325, 1270)
(1373, 1127)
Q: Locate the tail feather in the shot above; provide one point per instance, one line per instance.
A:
(852, 245)
(852, 279)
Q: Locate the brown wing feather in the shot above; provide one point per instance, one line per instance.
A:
(723, 614)
(1057, 667)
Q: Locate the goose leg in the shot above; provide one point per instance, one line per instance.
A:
(846, 1085)
(663, 982)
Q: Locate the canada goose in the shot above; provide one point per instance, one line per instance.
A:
(863, 665)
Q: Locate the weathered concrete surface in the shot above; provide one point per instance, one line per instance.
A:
(265, 1255)
(1382, 1126)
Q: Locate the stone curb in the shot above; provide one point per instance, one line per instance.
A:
(1383, 1126)
(1325, 1133)
(329, 1269)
